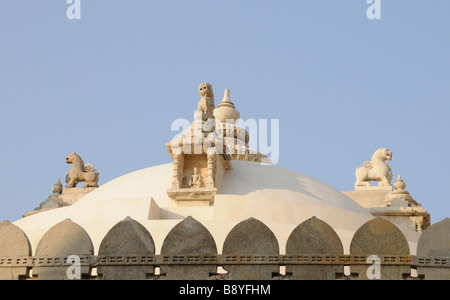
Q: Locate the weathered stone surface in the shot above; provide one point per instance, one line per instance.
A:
(188, 237)
(251, 236)
(434, 244)
(435, 240)
(126, 238)
(379, 236)
(382, 238)
(13, 243)
(314, 236)
(61, 241)
(52, 202)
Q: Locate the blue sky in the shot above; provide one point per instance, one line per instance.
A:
(110, 85)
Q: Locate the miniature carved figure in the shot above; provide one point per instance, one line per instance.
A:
(80, 172)
(377, 169)
(196, 179)
(206, 104)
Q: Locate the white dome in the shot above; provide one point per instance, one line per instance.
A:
(279, 197)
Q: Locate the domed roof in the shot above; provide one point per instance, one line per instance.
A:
(272, 194)
(247, 181)
(231, 186)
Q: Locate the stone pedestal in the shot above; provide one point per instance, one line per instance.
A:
(68, 197)
(370, 197)
(72, 195)
(402, 213)
(193, 196)
(396, 205)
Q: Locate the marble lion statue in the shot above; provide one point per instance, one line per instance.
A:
(375, 170)
(79, 172)
(206, 104)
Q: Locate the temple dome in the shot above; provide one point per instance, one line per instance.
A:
(279, 197)
(216, 185)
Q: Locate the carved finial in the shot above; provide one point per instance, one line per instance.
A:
(226, 111)
(57, 187)
(226, 96)
(399, 184)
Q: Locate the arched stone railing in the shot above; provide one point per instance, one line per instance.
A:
(128, 237)
(378, 250)
(379, 239)
(66, 243)
(250, 238)
(313, 237)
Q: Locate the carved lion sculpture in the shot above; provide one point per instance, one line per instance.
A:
(375, 170)
(79, 172)
(206, 104)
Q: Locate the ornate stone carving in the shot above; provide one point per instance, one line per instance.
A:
(399, 193)
(419, 224)
(80, 172)
(375, 170)
(399, 207)
(196, 179)
(57, 188)
(399, 184)
(212, 169)
(203, 152)
(206, 104)
(193, 179)
(177, 170)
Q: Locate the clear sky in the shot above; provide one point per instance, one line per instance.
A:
(109, 86)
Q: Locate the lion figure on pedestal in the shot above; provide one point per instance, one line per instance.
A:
(375, 170)
(80, 172)
(206, 104)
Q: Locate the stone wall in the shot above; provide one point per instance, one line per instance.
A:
(378, 250)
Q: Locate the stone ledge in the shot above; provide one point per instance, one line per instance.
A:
(374, 188)
(72, 195)
(193, 196)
